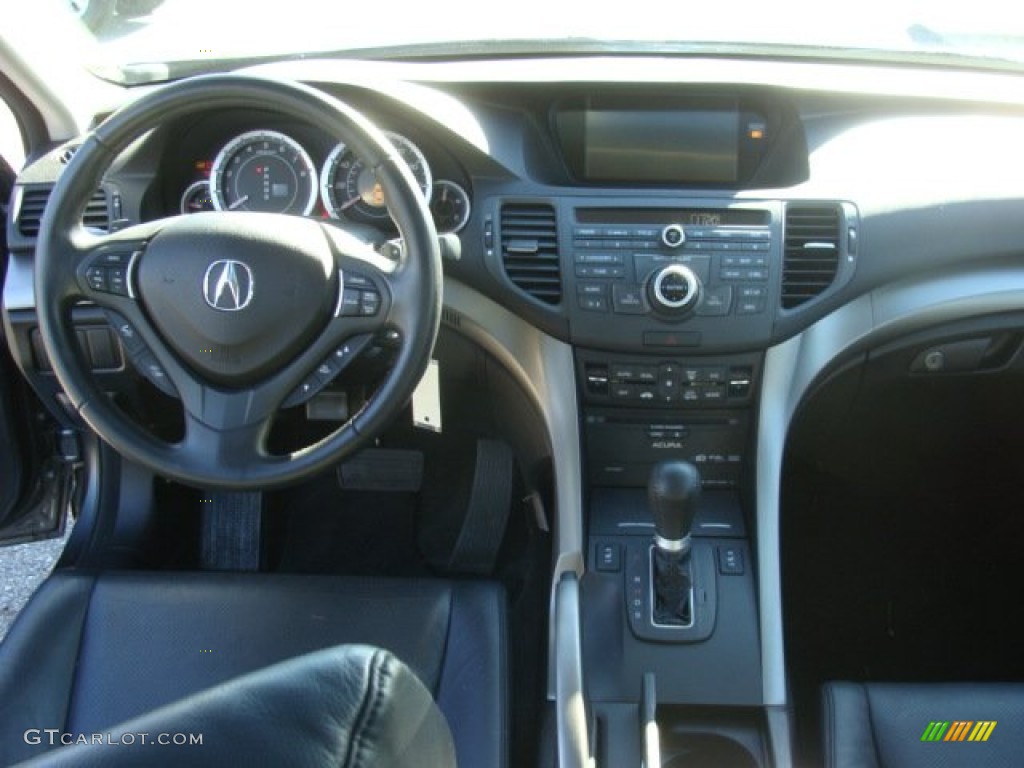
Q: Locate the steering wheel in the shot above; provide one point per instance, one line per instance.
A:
(238, 312)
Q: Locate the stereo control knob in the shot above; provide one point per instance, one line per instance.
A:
(674, 289)
(673, 235)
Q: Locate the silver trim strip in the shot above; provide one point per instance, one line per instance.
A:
(650, 594)
(570, 704)
(19, 287)
(340, 306)
(673, 545)
(130, 273)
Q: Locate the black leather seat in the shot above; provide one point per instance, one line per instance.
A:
(877, 725)
(92, 650)
(350, 705)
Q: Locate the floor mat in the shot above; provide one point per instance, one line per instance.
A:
(329, 530)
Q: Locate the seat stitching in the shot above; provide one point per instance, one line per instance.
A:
(369, 710)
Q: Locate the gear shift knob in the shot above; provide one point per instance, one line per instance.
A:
(672, 492)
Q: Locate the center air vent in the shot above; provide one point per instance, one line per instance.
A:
(529, 250)
(811, 258)
(33, 203)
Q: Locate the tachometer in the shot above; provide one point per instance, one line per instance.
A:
(349, 186)
(263, 171)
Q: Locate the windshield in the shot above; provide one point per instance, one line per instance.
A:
(124, 34)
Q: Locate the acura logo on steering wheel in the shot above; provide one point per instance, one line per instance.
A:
(227, 285)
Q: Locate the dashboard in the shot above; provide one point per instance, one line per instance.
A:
(701, 217)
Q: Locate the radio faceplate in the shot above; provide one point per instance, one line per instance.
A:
(687, 279)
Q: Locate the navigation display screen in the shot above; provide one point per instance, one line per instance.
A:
(694, 142)
(661, 145)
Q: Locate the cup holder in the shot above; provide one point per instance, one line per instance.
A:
(706, 750)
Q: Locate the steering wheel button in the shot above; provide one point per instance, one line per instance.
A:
(149, 367)
(115, 258)
(351, 302)
(354, 280)
(326, 371)
(313, 384)
(369, 303)
(126, 332)
(97, 278)
(117, 280)
(330, 367)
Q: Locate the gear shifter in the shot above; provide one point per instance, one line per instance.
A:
(672, 492)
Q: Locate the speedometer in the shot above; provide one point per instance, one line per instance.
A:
(349, 186)
(263, 171)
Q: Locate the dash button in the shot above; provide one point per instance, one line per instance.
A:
(609, 557)
(730, 561)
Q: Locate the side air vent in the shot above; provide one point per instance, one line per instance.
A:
(529, 250)
(97, 212)
(33, 203)
(811, 258)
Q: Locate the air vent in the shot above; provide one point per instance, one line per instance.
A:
(529, 250)
(33, 203)
(811, 252)
(97, 213)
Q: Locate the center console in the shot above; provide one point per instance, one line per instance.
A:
(672, 308)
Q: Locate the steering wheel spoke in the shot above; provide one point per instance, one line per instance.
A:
(238, 449)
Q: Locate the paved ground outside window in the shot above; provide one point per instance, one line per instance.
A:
(22, 570)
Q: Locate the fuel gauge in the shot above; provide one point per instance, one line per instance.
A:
(450, 206)
(197, 198)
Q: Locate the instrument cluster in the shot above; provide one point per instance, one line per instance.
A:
(270, 171)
